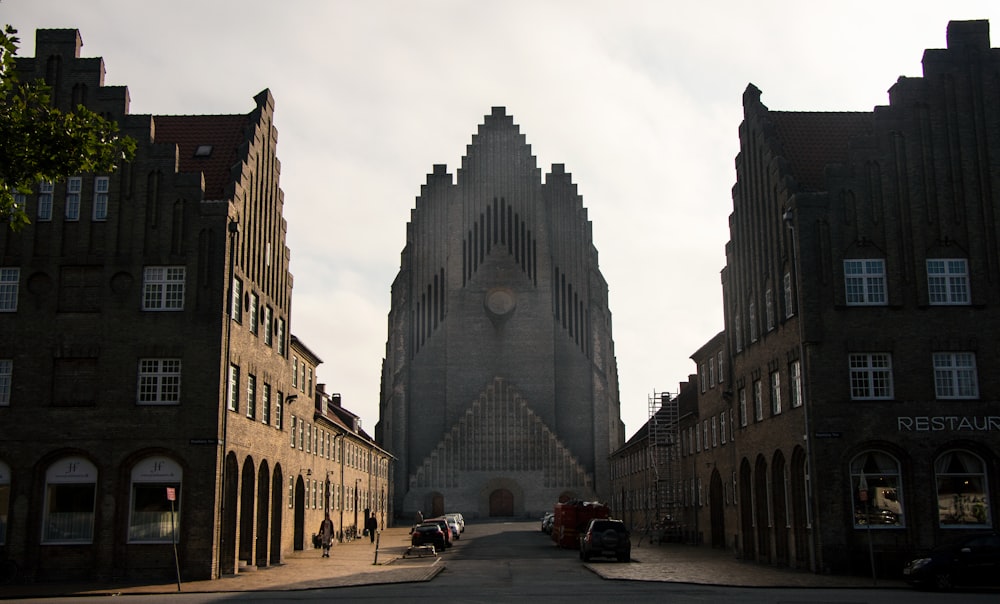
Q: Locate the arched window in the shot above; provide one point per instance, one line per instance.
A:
(877, 491)
(70, 492)
(963, 498)
(154, 514)
(4, 500)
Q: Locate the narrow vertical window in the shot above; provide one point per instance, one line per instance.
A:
(236, 303)
(775, 393)
(233, 393)
(6, 372)
(101, 198)
(73, 186)
(253, 318)
(795, 377)
(769, 308)
(743, 407)
(789, 300)
(10, 278)
(758, 401)
(265, 404)
(268, 327)
(251, 396)
(45, 191)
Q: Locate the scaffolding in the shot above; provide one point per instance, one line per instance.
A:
(664, 455)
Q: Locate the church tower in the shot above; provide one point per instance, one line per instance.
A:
(499, 387)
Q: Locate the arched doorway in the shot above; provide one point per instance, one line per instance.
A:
(779, 505)
(746, 511)
(227, 532)
(277, 480)
(437, 505)
(716, 499)
(761, 512)
(501, 503)
(263, 511)
(246, 512)
(299, 536)
(800, 516)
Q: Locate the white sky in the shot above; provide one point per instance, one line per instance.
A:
(641, 100)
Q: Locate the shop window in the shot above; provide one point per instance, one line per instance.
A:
(70, 491)
(154, 512)
(877, 491)
(962, 495)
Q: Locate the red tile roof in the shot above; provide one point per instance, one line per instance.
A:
(225, 133)
(813, 140)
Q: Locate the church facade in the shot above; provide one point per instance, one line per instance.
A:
(499, 388)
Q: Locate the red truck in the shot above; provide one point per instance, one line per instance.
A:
(571, 519)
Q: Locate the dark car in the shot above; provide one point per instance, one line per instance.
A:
(606, 537)
(971, 561)
(449, 532)
(429, 533)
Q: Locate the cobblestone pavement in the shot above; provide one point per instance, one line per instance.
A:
(355, 563)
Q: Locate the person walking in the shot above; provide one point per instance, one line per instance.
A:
(371, 524)
(326, 534)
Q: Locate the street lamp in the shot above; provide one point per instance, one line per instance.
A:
(789, 219)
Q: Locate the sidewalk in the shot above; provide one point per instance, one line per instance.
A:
(354, 563)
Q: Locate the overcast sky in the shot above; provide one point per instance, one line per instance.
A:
(641, 100)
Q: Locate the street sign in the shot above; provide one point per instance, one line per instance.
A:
(171, 494)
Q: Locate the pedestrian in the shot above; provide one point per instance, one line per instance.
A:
(371, 525)
(326, 534)
(420, 516)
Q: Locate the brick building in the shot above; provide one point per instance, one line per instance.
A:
(150, 388)
(500, 384)
(861, 285)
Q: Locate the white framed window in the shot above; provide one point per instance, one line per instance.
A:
(253, 318)
(232, 394)
(719, 363)
(743, 407)
(947, 281)
(45, 191)
(268, 325)
(251, 396)
(722, 427)
(280, 336)
(963, 494)
(236, 303)
(159, 382)
(265, 404)
(711, 372)
(738, 330)
(101, 184)
(70, 495)
(73, 186)
(864, 282)
(789, 300)
(10, 279)
(6, 375)
(154, 510)
(769, 308)
(775, 393)
(758, 401)
(877, 491)
(955, 375)
(795, 377)
(163, 288)
(871, 375)
(294, 431)
(715, 431)
(703, 376)
(295, 371)
(279, 411)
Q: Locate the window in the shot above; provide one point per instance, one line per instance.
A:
(758, 401)
(753, 322)
(871, 375)
(265, 404)
(232, 396)
(279, 411)
(236, 310)
(309, 389)
(769, 308)
(73, 198)
(775, 393)
(280, 335)
(789, 305)
(962, 494)
(795, 377)
(44, 201)
(877, 491)
(702, 376)
(715, 431)
(947, 281)
(70, 491)
(10, 278)
(268, 326)
(738, 330)
(163, 288)
(253, 318)
(295, 372)
(294, 431)
(6, 371)
(722, 426)
(719, 363)
(955, 375)
(154, 512)
(159, 382)
(864, 282)
(711, 372)
(101, 198)
(251, 396)
(743, 406)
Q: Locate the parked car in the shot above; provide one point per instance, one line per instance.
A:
(606, 537)
(429, 533)
(547, 522)
(459, 519)
(970, 561)
(447, 528)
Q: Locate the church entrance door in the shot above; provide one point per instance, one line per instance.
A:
(501, 503)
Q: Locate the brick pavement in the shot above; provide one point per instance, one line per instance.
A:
(355, 563)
